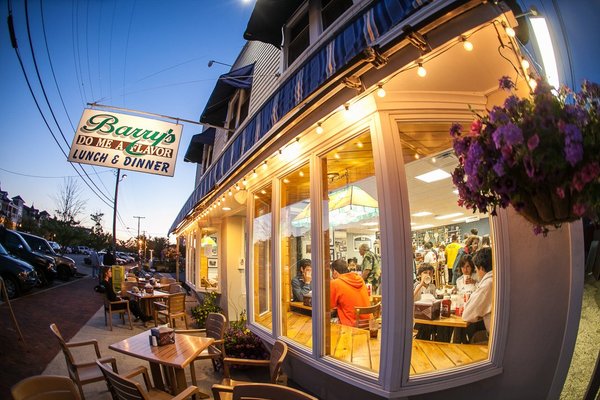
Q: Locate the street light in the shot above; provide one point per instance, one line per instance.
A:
(119, 179)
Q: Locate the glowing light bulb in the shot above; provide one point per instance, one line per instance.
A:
(254, 174)
(319, 129)
(467, 45)
(237, 186)
(230, 192)
(417, 156)
(245, 182)
(421, 71)
(509, 31)
(359, 145)
(532, 83)
(264, 166)
(525, 64)
(301, 174)
(380, 91)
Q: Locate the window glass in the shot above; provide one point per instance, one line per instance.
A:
(299, 38)
(332, 10)
(351, 237)
(209, 271)
(295, 253)
(444, 236)
(261, 261)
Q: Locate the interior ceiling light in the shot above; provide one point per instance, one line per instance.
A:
(448, 216)
(226, 208)
(370, 224)
(319, 129)
(301, 174)
(433, 176)
(380, 91)
(421, 214)
(417, 227)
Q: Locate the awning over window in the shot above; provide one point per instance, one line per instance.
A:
(267, 19)
(215, 111)
(196, 147)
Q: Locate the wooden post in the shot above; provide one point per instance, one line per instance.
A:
(12, 314)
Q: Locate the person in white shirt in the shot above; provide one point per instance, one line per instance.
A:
(479, 305)
(467, 281)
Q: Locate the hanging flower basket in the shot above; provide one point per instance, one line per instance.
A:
(540, 154)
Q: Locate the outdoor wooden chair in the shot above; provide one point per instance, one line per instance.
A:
(126, 287)
(82, 373)
(123, 388)
(45, 387)
(172, 309)
(268, 391)
(120, 307)
(224, 390)
(369, 324)
(167, 280)
(215, 328)
(176, 288)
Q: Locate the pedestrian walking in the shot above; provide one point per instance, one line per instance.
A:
(95, 259)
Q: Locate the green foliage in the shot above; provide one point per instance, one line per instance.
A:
(208, 305)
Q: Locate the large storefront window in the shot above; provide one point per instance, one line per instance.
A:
(352, 243)
(295, 254)
(209, 271)
(445, 239)
(261, 256)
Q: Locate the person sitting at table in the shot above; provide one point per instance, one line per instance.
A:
(301, 283)
(423, 286)
(425, 283)
(112, 296)
(467, 281)
(479, 305)
(347, 290)
(353, 264)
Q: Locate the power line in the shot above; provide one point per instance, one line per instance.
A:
(47, 177)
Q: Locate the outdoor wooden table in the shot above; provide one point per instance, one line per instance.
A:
(172, 357)
(147, 299)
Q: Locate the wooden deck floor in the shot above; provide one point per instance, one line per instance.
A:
(355, 346)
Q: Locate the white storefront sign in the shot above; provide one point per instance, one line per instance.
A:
(123, 141)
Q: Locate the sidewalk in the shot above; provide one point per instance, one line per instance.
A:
(95, 329)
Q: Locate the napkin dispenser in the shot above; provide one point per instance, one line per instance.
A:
(163, 335)
(427, 309)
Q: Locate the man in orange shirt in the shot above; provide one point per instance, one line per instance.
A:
(347, 291)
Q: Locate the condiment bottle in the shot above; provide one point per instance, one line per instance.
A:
(445, 309)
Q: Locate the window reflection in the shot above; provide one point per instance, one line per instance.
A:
(261, 262)
(352, 243)
(445, 239)
(295, 253)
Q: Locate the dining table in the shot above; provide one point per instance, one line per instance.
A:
(167, 362)
(146, 300)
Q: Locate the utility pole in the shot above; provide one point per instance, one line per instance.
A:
(138, 240)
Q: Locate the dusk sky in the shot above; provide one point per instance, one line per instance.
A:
(149, 55)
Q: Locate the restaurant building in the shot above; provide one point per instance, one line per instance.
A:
(331, 131)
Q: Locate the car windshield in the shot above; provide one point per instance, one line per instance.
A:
(3, 251)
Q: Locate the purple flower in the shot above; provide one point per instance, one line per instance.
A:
(498, 116)
(475, 128)
(506, 83)
(573, 142)
(533, 142)
(509, 135)
(499, 168)
(537, 230)
(560, 192)
(455, 130)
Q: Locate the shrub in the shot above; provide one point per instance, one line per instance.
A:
(240, 342)
(208, 305)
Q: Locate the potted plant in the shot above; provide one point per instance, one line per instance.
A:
(540, 154)
(240, 342)
(209, 304)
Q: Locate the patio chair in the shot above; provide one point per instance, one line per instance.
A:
(123, 388)
(215, 328)
(369, 324)
(82, 373)
(224, 390)
(120, 307)
(172, 309)
(268, 391)
(45, 387)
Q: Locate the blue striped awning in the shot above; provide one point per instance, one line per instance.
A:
(341, 51)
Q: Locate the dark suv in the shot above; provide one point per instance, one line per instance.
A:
(16, 245)
(19, 277)
(65, 266)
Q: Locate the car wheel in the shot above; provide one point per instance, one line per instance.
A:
(12, 288)
(64, 273)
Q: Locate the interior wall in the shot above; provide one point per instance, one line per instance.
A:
(233, 291)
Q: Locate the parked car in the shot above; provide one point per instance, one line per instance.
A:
(55, 246)
(19, 277)
(65, 266)
(83, 250)
(17, 246)
(128, 259)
